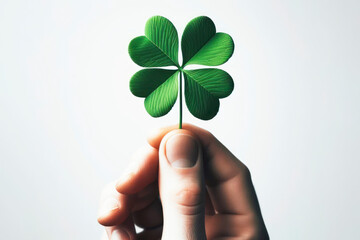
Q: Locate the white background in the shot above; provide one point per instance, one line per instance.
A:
(69, 124)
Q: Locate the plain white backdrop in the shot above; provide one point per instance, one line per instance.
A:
(69, 124)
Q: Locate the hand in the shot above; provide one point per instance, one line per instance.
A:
(185, 185)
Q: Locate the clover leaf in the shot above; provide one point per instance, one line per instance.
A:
(200, 44)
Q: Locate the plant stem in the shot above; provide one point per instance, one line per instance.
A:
(180, 100)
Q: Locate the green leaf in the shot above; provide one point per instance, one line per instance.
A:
(203, 88)
(216, 81)
(159, 87)
(201, 44)
(159, 47)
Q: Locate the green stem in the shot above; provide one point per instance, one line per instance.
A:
(180, 100)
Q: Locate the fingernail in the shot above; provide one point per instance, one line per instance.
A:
(119, 234)
(182, 151)
(108, 205)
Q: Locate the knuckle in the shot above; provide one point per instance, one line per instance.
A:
(245, 171)
(190, 199)
(209, 135)
(256, 229)
(255, 234)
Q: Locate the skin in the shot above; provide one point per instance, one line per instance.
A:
(214, 199)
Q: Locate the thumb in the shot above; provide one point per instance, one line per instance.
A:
(181, 186)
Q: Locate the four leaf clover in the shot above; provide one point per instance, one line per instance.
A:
(201, 45)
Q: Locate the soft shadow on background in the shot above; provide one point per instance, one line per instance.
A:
(69, 124)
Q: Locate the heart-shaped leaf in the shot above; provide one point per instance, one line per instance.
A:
(201, 44)
(159, 87)
(159, 47)
(203, 88)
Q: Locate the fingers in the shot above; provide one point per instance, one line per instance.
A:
(233, 226)
(149, 217)
(114, 207)
(150, 234)
(209, 208)
(124, 231)
(133, 192)
(228, 180)
(226, 165)
(151, 220)
(142, 171)
(181, 186)
(143, 209)
(145, 197)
